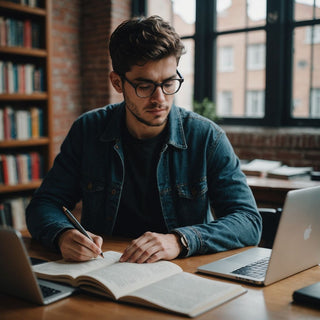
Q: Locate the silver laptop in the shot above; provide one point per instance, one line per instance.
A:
(17, 277)
(296, 246)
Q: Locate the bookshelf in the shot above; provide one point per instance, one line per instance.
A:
(25, 95)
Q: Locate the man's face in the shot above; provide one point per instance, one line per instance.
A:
(146, 117)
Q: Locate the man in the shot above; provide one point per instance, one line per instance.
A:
(145, 168)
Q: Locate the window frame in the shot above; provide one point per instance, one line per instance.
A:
(279, 28)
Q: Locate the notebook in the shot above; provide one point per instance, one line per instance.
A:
(295, 248)
(17, 277)
(309, 295)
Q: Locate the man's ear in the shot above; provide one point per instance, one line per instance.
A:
(116, 81)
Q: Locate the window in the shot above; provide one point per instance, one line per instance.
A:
(258, 60)
(255, 103)
(313, 34)
(225, 59)
(256, 56)
(315, 103)
(225, 104)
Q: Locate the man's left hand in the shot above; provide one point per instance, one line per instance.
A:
(151, 247)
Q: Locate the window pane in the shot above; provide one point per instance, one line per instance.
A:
(305, 10)
(184, 16)
(306, 73)
(184, 97)
(240, 14)
(161, 8)
(241, 74)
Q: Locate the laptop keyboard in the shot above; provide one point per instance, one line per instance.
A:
(256, 269)
(47, 291)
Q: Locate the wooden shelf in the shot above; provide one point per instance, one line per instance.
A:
(20, 187)
(31, 52)
(24, 143)
(22, 96)
(22, 8)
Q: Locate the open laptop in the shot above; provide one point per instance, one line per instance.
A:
(17, 277)
(296, 246)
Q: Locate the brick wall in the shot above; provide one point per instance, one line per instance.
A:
(80, 61)
(292, 146)
(66, 80)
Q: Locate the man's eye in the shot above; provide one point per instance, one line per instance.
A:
(168, 84)
(146, 86)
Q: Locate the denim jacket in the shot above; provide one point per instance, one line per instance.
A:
(203, 193)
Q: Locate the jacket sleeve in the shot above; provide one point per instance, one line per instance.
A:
(61, 187)
(237, 222)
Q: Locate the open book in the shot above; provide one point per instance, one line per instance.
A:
(162, 285)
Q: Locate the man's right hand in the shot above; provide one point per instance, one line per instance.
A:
(75, 246)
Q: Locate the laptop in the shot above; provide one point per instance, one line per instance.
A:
(17, 277)
(296, 245)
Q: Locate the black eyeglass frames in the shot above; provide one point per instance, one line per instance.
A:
(146, 89)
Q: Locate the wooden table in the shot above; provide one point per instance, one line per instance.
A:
(272, 302)
(271, 193)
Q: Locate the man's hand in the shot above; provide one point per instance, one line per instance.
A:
(151, 247)
(75, 246)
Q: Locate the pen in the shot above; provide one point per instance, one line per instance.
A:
(77, 225)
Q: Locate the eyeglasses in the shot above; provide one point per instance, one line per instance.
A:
(146, 89)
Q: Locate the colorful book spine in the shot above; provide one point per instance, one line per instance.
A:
(20, 168)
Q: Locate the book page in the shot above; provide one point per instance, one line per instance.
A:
(75, 269)
(123, 277)
(185, 293)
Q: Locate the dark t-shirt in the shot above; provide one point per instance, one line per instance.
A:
(140, 208)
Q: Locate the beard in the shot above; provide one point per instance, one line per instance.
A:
(156, 121)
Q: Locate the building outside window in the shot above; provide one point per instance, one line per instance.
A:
(255, 103)
(225, 103)
(264, 54)
(256, 56)
(225, 61)
(315, 103)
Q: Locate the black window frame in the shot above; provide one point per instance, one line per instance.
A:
(279, 28)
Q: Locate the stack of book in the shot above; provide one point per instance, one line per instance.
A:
(274, 169)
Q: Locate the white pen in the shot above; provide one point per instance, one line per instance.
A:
(77, 225)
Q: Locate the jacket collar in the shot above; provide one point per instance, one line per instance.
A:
(176, 136)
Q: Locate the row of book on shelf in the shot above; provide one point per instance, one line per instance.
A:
(13, 212)
(19, 33)
(21, 78)
(20, 168)
(21, 124)
(274, 169)
(30, 3)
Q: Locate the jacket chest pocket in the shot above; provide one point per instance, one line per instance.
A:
(94, 196)
(192, 201)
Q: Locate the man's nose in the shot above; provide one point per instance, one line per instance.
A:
(158, 95)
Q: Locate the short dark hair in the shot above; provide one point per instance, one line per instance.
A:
(139, 40)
